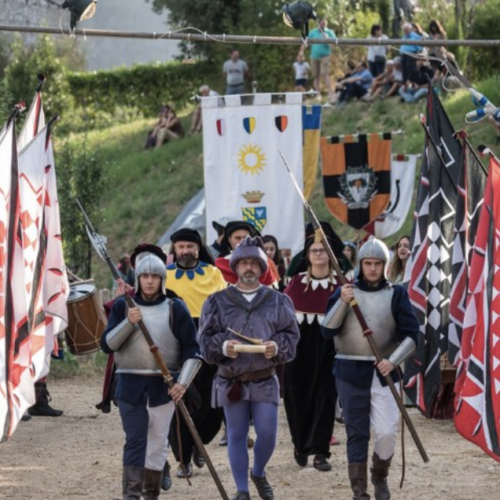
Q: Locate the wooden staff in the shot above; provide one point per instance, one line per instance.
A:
(99, 244)
(320, 237)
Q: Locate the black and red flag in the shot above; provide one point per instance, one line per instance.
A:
(357, 177)
(471, 187)
(477, 386)
(429, 268)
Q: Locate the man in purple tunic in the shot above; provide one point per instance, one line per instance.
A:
(246, 383)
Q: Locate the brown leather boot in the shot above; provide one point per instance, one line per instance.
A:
(380, 471)
(152, 484)
(133, 479)
(358, 476)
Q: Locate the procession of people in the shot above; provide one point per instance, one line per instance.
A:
(236, 345)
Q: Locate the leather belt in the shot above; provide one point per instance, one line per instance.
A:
(248, 376)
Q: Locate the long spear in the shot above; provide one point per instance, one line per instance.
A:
(320, 237)
(99, 243)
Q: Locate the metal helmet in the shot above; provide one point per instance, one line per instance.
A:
(374, 249)
(151, 264)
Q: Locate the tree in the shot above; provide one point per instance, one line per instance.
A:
(26, 63)
(80, 174)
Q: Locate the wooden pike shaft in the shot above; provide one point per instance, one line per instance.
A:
(180, 404)
(320, 237)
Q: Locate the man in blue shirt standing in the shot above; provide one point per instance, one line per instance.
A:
(320, 57)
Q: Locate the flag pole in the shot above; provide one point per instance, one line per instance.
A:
(320, 237)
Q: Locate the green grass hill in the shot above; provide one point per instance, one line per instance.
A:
(147, 190)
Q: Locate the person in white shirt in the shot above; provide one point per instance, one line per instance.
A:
(301, 68)
(377, 54)
(235, 72)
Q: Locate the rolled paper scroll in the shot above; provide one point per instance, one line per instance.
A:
(250, 349)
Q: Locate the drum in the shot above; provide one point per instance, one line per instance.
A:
(86, 320)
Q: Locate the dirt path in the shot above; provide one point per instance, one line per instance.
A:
(79, 456)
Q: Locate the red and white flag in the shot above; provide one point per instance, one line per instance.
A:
(34, 122)
(46, 283)
(16, 376)
(477, 386)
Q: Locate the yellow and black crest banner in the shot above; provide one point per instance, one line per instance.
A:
(357, 177)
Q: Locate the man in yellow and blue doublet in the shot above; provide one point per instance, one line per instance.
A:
(193, 277)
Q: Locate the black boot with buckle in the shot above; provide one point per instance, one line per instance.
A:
(42, 408)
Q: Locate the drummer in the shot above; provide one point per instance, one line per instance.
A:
(246, 384)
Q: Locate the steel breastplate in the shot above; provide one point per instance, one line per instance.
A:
(376, 309)
(135, 355)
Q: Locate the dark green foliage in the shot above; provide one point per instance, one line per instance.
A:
(5, 102)
(144, 87)
(80, 174)
(21, 75)
(486, 22)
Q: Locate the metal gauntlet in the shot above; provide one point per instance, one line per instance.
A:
(335, 316)
(189, 370)
(403, 351)
(119, 334)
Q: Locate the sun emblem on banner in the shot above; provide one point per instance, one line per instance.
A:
(251, 159)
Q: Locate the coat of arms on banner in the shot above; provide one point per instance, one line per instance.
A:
(357, 177)
(281, 123)
(257, 216)
(249, 124)
(221, 128)
(358, 187)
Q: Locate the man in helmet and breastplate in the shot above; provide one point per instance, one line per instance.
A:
(146, 404)
(365, 396)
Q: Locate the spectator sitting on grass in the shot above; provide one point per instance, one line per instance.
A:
(357, 85)
(419, 82)
(381, 84)
(197, 122)
(168, 127)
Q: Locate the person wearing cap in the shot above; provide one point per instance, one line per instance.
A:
(248, 313)
(234, 233)
(364, 394)
(220, 226)
(310, 395)
(146, 407)
(193, 278)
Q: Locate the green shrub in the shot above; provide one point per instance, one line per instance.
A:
(486, 21)
(21, 76)
(144, 87)
(80, 174)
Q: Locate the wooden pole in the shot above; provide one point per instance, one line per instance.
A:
(236, 39)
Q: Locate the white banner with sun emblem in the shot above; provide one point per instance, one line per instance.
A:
(245, 177)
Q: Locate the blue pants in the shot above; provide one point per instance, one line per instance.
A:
(235, 89)
(146, 433)
(265, 419)
(412, 95)
(366, 407)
